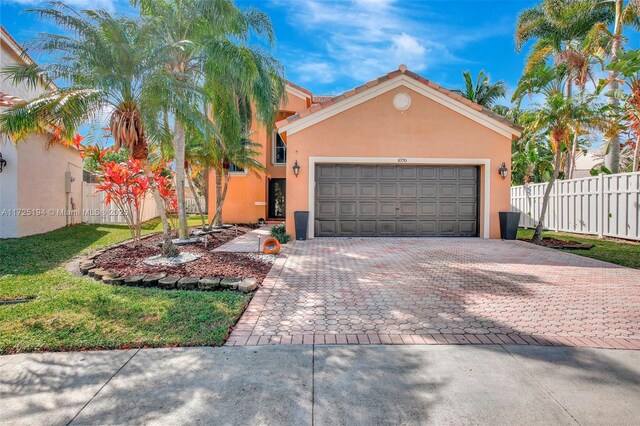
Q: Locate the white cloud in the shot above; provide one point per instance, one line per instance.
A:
(362, 39)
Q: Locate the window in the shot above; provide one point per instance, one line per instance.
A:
(279, 149)
(235, 169)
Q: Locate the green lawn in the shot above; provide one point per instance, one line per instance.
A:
(614, 251)
(68, 312)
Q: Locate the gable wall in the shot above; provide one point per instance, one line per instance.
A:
(376, 129)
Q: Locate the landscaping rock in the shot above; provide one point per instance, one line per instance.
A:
(151, 280)
(209, 283)
(248, 285)
(91, 272)
(134, 280)
(85, 267)
(168, 282)
(230, 283)
(188, 283)
(113, 280)
(98, 273)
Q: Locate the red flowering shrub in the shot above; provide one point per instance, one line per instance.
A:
(125, 185)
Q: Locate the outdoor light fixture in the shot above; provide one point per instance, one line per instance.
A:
(3, 162)
(296, 168)
(503, 171)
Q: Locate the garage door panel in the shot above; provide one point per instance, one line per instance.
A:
(347, 227)
(408, 190)
(428, 173)
(327, 209)
(428, 209)
(448, 173)
(408, 227)
(326, 228)
(387, 227)
(408, 208)
(387, 208)
(347, 208)
(387, 172)
(467, 227)
(367, 227)
(429, 190)
(468, 173)
(447, 209)
(402, 200)
(326, 171)
(327, 190)
(448, 190)
(367, 190)
(367, 172)
(388, 190)
(467, 190)
(407, 173)
(368, 208)
(448, 227)
(347, 190)
(467, 210)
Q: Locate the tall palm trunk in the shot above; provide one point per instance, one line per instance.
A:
(178, 152)
(636, 155)
(612, 159)
(537, 235)
(197, 199)
(221, 194)
(157, 197)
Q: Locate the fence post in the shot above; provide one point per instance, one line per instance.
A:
(556, 209)
(600, 224)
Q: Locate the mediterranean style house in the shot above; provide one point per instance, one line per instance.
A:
(40, 189)
(397, 156)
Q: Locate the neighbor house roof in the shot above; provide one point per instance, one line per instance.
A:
(400, 72)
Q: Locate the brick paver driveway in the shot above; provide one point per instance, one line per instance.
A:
(441, 290)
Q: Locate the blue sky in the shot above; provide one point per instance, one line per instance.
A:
(330, 46)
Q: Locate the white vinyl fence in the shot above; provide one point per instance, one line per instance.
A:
(603, 205)
(192, 208)
(95, 210)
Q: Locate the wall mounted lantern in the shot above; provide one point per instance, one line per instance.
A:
(3, 163)
(503, 171)
(296, 168)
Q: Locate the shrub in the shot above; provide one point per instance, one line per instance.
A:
(279, 233)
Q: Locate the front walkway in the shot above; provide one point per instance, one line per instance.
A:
(251, 242)
(339, 385)
(441, 291)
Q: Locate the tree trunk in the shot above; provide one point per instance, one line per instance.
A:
(636, 154)
(572, 155)
(196, 198)
(537, 235)
(168, 246)
(221, 194)
(612, 158)
(178, 152)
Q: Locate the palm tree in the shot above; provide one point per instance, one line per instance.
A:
(623, 14)
(108, 65)
(241, 154)
(206, 43)
(483, 92)
(556, 122)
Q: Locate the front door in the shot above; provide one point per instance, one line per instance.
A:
(277, 198)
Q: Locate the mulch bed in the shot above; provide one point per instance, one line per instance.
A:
(561, 244)
(128, 260)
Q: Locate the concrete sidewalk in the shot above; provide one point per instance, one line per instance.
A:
(324, 385)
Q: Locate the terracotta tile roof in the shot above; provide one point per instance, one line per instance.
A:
(302, 89)
(402, 70)
(7, 100)
(322, 98)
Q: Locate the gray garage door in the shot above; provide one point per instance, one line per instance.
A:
(371, 200)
